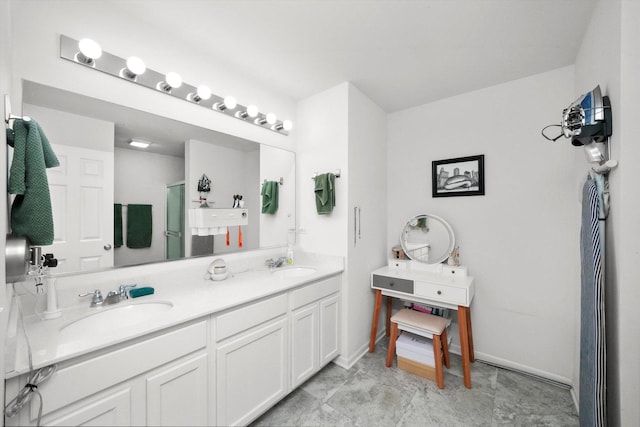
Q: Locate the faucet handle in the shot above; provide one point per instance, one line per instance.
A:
(122, 290)
(96, 299)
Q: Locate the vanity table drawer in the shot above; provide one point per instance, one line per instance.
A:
(443, 293)
(393, 284)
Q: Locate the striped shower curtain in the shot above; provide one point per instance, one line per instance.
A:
(592, 314)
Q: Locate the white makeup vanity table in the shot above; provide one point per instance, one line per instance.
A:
(424, 279)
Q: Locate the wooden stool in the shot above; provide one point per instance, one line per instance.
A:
(426, 325)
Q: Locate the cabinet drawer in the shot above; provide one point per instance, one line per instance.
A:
(393, 284)
(443, 293)
(315, 291)
(241, 319)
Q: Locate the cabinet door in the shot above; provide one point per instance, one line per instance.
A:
(177, 394)
(304, 343)
(329, 329)
(251, 373)
(112, 408)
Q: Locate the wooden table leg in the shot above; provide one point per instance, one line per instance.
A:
(374, 322)
(472, 356)
(389, 308)
(463, 324)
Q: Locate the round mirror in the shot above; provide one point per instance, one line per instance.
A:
(427, 238)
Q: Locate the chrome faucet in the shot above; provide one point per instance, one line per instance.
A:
(277, 262)
(96, 297)
(122, 293)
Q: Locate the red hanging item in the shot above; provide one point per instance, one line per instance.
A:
(228, 236)
(239, 236)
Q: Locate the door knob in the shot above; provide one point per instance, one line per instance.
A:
(107, 247)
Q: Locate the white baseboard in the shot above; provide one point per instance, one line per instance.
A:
(508, 364)
(348, 362)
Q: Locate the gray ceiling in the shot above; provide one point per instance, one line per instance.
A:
(401, 53)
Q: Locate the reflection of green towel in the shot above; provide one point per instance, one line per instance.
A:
(139, 226)
(325, 193)
(31, 213)
(117, 225)
(269, 197)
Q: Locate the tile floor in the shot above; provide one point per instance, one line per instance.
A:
(369, 394)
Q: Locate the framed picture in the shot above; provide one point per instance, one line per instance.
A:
(462, 176)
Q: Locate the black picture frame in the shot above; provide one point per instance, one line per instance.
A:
(460, 176)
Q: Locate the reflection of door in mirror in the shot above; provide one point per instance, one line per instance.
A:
(81, 187)
(174, 233)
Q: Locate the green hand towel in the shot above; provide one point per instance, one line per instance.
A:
(117, 225)
(139, 226)
(325, 193)
(269, 197)
(31, 213)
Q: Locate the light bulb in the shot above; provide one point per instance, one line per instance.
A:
(204, 92)
(136, 65)
(287, 125)
(230, 102)
(90, 48)
(173, 79)
(252, 111)
(271, 118)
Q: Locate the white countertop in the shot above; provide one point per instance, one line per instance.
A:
(184, 286)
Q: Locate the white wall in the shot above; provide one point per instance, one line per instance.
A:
(520, 240)
(323, 138)
(71, 129)
(231, 172)
(608, 57)
(276, 164)
(141, 178)
(627, 256)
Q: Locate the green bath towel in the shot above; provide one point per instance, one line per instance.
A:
(269, 197)
(139, 226)
(325, 193)
(31, 213)
(117, 225)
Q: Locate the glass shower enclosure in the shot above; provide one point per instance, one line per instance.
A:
(174, 232)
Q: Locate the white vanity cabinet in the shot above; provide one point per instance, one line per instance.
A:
(315, 323)
(252, 360)
(161, 380)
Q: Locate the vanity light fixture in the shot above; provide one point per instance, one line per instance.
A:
(251, 111)
(286, 125)
(203, 92)
(171, 81)
(135, 67)
(139, 143)
(269, 118)
(228, 102)
(89, 52)
(135, 71)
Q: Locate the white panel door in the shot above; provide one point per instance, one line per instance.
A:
(177, 395)
(304, 344)
(329, 329)
(251, 373)
(82, 202)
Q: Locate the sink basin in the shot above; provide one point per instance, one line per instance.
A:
(293, 272)
(115, 317)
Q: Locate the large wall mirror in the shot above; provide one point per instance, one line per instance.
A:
(100, 170)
